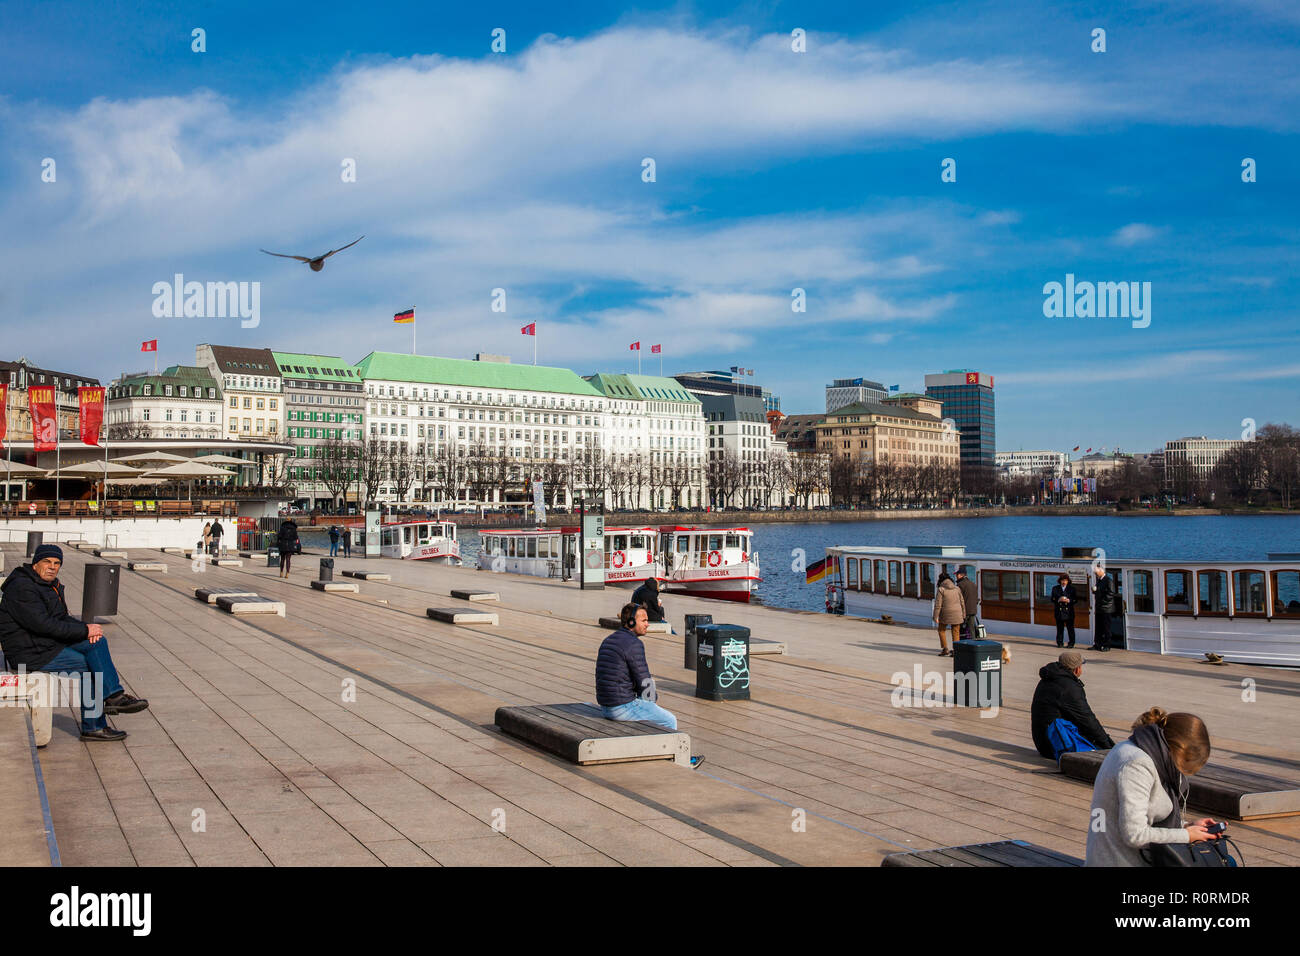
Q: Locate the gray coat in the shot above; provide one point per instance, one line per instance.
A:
(1130, 799)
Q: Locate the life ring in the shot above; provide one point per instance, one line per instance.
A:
(715, 558)
(618, 559)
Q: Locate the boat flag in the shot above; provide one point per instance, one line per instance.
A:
(816, 572)
(656, 349)
(404, 318)
(529, 329)
(150, 346)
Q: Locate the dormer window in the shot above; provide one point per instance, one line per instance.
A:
(148, 390)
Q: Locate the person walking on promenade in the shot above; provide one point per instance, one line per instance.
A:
(1060, 694)
(334, 540)
(1063, 598)
(1141, 791)
(1103, 607)
(218, 536)
(970, 597)
(345, 534)
(286, 540)
(949, 612)
(624, 688)
(37, 633)
(207, 538)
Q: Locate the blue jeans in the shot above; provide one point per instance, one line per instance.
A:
(91, 662)
(334, 548)
(641, 710)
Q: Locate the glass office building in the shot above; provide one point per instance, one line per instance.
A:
(967, 398)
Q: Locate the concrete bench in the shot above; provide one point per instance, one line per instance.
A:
(367, 575)
(38, 693)
(654, 627)
(210, 595)
(1003, 853)
(147, 566)
(1232, 794)
(579, 734)
(346, 586)
(467, 595)
(249, 604)
(228, 563)
(182, 551)
(248, 554)
(458, 615)
(759, 646)
(108, 553)
(28, 839)
(84, 545)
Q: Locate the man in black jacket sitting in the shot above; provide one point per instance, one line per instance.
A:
(647, 596)
(38, 634)
(624, 688)
(1060, 694)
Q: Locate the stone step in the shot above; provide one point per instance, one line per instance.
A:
(249, 604)
(367, 575)
(347, 586)
(457, 615)
(210, 595)
(106, 553)
(469, 595)
(229, 563)
(147, 566)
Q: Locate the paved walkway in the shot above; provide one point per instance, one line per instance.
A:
(356, 731)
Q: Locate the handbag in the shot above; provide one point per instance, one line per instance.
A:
(981, 632)
(1208, 853)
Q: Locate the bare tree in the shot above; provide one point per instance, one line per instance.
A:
(371, 458)
(129, 431)
(401, 470)
(336, 466)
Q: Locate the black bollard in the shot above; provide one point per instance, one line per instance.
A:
(326, 569)
(34, 540)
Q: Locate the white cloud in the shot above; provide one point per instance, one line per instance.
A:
(1134, 233)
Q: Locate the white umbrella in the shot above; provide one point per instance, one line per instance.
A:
(138, 480)
(225, 460)
(189, 469)
(18, 468)
(98, 469)
(153, 456)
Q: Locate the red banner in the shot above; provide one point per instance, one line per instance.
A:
(4, 410)
(45, 420)
(91, 400)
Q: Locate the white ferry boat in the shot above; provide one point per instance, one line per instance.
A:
(542, 552)
(1246, 611)
(707, 562)
(420, 541)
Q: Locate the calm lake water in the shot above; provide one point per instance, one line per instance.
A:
(1190, 538)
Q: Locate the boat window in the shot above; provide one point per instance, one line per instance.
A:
(879, 579)
(909, 579)
(406, 535)
(511, 544)
(1043, 584)
(733, 541)
(388, 537)
(1286, 593)
(1212, 592)
(895, 577)
(1178, 590)
(619, 542)
(424, 533)
(450, 531)
(487, 545)
(532, 547)
(969, 569)
(1144, 601)
(683, 543)
(544, 547)
(715, 542)
(852, 576)
(1248, 593)
(638, 541)
(927, 580)
(1005, 587)
(989, 588)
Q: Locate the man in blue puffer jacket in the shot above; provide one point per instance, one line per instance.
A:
(624, 688)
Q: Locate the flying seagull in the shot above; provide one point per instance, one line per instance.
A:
(317, 263)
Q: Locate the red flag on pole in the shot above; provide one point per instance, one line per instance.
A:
(91, 400)
(150, 346)
(634, 347)
(655, 349)
(45, 423)
(529, 329)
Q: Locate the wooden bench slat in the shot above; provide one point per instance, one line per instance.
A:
(570, 731)
(1001, 853)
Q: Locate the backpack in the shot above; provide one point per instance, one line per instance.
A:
(1064, 737)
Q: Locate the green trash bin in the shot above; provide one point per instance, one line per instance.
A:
(722, 663)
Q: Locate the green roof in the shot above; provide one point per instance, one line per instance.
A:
(324, 368)
(191, 375)
(642, 387)
(395, 367)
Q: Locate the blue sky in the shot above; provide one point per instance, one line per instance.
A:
(775, 170)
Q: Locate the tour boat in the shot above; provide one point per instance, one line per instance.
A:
(707, 562)
(543, 552)
(420, 541)
(1243, 611)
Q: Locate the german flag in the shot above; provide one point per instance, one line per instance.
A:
(816, 572)
(405, 317)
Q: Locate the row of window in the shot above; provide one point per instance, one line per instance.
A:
(261, 403)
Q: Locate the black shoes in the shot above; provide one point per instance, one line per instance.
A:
(124, 703)
(696, 761)
(104, 733)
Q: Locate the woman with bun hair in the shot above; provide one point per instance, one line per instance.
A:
(1141, 790)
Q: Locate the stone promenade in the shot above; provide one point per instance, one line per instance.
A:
(356, 731)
